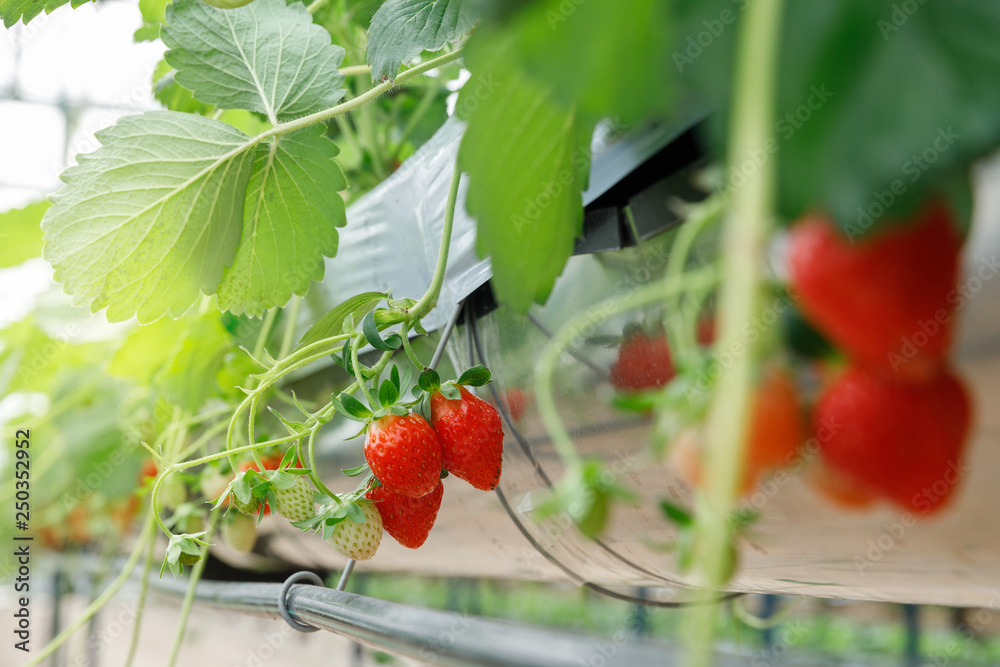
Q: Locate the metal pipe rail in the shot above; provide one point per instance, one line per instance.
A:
(426, 635)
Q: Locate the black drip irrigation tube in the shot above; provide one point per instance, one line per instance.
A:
(426, 635)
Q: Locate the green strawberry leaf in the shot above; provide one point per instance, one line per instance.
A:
(394, 376)
(294, 426)
(676, 513)
(21, 234)
(344, 359)
(405, 379)
(290, 215)
(528, 160)
(354, 472)
(547, 44)
(477, 376)
(288, 458)
(429, 380)
(148, 349)
(742, 518)
(331, 324)
(241, 488)
(171, 94)
(150, 220)
(374, 338)
(351, 407)
(640, 401)
(282, 480)
(855, 131)
(25, 10)
(267, 56)
(402, 29)
(153, 16)
(388, 393)
(355, 513)
(186, 378)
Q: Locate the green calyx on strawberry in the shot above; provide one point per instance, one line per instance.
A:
(352, 525)
(899, 441)
(401, 448)
(183, 550)
(281, 485)
(886, 298)
(408, 520)
(470, 429)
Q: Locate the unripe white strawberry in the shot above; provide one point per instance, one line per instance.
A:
(240, 532)
(172, 492)
(296, 502)
(213, 483)
(358, 540)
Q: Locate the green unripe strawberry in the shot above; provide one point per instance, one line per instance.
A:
(188, 559)
(358, 540)
(213, 483)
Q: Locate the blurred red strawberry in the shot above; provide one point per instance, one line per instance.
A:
(886, 298)
(903, 440)
(643, 362)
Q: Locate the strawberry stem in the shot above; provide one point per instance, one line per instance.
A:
(430, 297)
(356, 365)
(743, 244)
(414, 359)
(193, 580)
(147, 567)
(102, 599)
(589, 319)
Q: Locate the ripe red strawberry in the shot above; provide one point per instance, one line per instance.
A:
(517, 403)
(404, 453)
(839, 488)
(148, 471)
(643, 362)
(887, 298)
(902, 440)
(408, 520)
(471, 436)
(777, 430)
(706, 330)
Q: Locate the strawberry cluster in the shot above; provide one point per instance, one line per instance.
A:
(407, 453)
(893, 424)
(891, 417)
